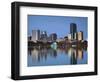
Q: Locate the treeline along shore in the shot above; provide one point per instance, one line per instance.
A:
(61, 44)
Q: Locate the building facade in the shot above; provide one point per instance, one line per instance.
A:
(35, 35)
(73, 30)
(80, 36)
(44, 36)
(53, 37)
(69, 36)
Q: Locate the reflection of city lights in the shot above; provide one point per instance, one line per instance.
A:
(34, 54)
(42, 55)
(69, 52)
(80, 54)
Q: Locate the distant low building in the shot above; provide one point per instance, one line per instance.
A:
(66, 37)
(60, 39)
(29, 38)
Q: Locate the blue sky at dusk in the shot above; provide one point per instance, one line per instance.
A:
(57, 24)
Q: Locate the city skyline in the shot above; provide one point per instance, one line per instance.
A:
(38, 35)
(38, 24)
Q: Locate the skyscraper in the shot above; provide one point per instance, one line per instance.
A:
(43, 35)
(53, 37)
(35, 35)
(80, 35)
(73, 30)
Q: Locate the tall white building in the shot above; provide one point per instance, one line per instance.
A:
(35, 35)
(69, 36)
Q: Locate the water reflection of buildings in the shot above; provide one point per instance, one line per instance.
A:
(44, 54)
(33, 54)
(75, 54)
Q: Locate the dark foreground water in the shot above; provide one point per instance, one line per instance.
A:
(50, 57)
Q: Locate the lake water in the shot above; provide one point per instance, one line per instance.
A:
(50, 57)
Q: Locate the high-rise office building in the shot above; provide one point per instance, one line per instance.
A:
(73, 30)
(80, 35)
(53, 37)
(43, 35)
(75, 36)
(35, 35)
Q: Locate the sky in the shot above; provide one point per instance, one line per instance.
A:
(57, 24)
